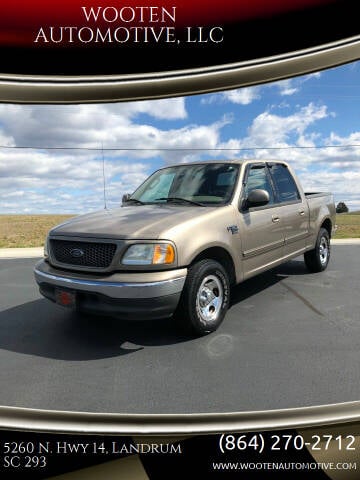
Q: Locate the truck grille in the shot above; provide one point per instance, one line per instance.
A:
(85, 254)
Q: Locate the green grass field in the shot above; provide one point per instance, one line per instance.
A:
(27, 230)
(348, 225)
(31, 230)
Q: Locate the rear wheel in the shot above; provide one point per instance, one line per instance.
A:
(205, 297)
(317, 259)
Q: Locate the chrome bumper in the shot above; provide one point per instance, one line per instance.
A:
(117, 286)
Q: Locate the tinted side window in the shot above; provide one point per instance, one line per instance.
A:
(258, 178)
(284, 183)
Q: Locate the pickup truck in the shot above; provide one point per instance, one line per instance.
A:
(179, 243)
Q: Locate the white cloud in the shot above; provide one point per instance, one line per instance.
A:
(247, 95)
(290, 86)
(343, 185)
(81, 125)
(274, 130)
(272, 136)
(240, 96)
(286, 88)
(52, 182)
(335, 170)
(269, 131)
(71, 180)
(166, 109)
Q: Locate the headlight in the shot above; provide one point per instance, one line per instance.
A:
(149, 254)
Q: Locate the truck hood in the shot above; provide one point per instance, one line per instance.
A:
(138, 221)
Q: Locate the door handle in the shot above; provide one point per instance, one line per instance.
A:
(275, 219)
(301, 212)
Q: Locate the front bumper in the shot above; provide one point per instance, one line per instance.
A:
(128, 295)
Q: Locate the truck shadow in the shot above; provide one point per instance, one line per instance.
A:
(265, 280)
(43, 329)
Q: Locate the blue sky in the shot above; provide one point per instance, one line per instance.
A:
(276, 120)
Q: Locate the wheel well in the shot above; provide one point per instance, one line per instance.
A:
(327, 225)
(222, 256)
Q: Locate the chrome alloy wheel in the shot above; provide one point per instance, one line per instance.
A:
(323, 250)
(209, 298)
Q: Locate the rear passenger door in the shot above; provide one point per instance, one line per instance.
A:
(261, 228)
(292, 209)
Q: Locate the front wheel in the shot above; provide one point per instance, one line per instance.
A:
(317, 259)
(205, 297)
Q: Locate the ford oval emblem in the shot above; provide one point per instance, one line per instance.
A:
(77, 253)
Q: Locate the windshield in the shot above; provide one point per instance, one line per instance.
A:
(207, 184)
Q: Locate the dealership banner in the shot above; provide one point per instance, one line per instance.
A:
(310, 442)
(85, 51)
(319, 454)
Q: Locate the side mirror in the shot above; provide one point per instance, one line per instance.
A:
(126, 197)
(257, 198)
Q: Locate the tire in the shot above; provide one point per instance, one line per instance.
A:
(317, 259)
(205, 298)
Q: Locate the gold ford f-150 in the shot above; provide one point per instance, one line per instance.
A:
(183, 238)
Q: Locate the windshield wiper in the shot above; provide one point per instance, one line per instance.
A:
(180, 199)
(135, 200)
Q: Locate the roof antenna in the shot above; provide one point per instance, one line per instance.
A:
(103, 168)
